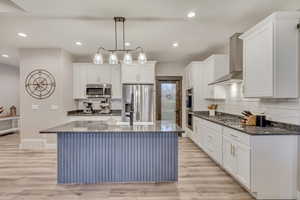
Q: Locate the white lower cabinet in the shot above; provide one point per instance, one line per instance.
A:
(236, 160)
(229, 162)
(265, 165)
(242, 153)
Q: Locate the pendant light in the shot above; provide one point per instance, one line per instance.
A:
(142, 58)
(127, 58)
(98, 58)
(113, 57)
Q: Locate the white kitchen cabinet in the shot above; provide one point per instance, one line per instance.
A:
(265, 165)
(79, 81)
(213, 143)
(212, 140)
(193, 78)
(88, 73)
(271, 57)
(116, 81)
(242, 154)
(215, 67)
(98, 73)
(229, 162)
(138, 73)
(236, 155)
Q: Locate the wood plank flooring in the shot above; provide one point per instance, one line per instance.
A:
(31, 175)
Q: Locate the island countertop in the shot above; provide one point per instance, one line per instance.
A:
(105, 127)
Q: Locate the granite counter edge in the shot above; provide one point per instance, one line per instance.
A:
(243, 131)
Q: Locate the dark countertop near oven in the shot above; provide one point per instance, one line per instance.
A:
(96, 113)
(233, 121)
(105, 127)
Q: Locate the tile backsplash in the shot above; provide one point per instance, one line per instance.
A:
(283, 110)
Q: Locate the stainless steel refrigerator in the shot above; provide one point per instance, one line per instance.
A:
(142, 100)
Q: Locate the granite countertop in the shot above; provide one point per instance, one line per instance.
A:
(81, 113)
(233, 121)
(106, 127)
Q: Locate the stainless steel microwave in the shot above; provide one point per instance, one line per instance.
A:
(98, 90)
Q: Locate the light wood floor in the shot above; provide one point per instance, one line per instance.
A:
(31, 175)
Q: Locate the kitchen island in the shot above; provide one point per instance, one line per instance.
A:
(90, 152)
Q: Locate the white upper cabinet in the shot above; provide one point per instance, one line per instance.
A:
(98, 73)
(215, 67)
(116, 81)
(271, 57)
(138, 73)
(88, 73)
(79, 81)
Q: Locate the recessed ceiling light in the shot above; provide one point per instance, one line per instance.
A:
(22, 34)
(127, 44)
(78, 43)
(175, 44)
(191, 14)
(5, 55)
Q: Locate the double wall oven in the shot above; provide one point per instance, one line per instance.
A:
(189, 108)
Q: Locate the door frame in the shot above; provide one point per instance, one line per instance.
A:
(158, 94)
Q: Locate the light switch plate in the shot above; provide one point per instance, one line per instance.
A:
(35, 107)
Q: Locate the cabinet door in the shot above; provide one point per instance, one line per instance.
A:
(147, 73)
(116, 81)
(75, 81)
(242, 153)
(214, 145)
(229, 161)
(93, 74)
(98, 73)
(258, 63)
(130, 73)
(79, 81)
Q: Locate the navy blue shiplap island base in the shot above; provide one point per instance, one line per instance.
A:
(92, 152)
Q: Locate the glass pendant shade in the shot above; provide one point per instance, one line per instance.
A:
(142, 58)
(127, 58)
(113, 59)
(98, 59)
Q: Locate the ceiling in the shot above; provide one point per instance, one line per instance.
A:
(152, 24)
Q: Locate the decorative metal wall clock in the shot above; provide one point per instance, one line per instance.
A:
(40, 84)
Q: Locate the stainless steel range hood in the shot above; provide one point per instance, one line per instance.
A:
(235, 62)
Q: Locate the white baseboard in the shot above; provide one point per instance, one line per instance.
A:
(32, 144)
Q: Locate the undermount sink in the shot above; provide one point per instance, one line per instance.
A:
(134, 123)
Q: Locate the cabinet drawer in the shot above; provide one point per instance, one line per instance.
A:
(237, 136)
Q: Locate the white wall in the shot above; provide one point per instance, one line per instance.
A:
(9, 87)
(59, 63)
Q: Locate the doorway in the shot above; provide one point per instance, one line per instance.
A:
(169, 99)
